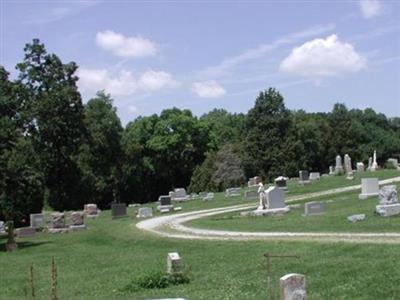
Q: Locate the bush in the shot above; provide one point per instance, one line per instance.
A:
(156, 280)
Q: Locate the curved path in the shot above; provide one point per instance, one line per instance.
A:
(172, 225)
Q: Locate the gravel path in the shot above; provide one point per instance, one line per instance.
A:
(172, 226)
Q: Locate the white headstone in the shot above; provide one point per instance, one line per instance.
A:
(293, 287)
(314, 208)
(369, 188)
(315, 175)
(360, 167)
(37, 220)
(145, 212)
(338, 166)
(173, 263)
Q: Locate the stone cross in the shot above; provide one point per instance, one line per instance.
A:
(293, 287)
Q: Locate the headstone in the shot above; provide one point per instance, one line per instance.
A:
(293, 287)
(374, 165)
(232, 192)
(91, 210)
(315, 175)
(145, 212)
(37, 220)
(77, 218)
(173, 263)
(347, 164)
(388, 202)
(58, 223)
(25, 231)
(178, 208)
(360, 167)
(2, 229)
(314, 208)
(369, 163)
(275, 198)
(118, 210)
(331, 170)
(369, 188)
(338, 166)
(179, 195)
(77, 221)
(209, 197)
(250, 195)
(57, 220)
(165, 204)
(303, 176)
(281, 182)
(356, 218)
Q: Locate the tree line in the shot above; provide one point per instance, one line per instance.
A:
(58, 153)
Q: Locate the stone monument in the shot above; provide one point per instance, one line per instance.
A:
(369, 188)
(37, 220)
(314, 208)
(145, 212)
(360, 167)
(338, 166)
(374, 165)
(293, 287)
(388, 202)
(77, 221)
(173, 263)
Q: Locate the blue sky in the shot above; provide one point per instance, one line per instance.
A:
(152, 55)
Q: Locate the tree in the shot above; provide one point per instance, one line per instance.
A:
(202, 174)
(54, 106)
(268, 144)
(21, 184)
(228, 168)
(162, 153)
(100, 157)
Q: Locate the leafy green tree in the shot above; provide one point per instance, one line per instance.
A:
(202, 174)
(223, 128)
(268, 144)
(101, 157)
(161, 153)
(21, 184)
(56, 126)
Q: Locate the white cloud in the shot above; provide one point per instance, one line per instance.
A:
(126, 47)
(227, 64)
(370, 8)
(208, 89)
(155, 80)
(124, 83)
(323, 57)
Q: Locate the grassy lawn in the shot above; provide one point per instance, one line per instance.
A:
(99, 262)
(334, 219)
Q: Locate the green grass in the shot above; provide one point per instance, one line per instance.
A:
(337, 181)
(334, 219)
(99, 262)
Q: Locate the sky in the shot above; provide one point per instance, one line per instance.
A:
(201, 55)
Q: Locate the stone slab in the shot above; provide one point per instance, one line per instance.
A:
(265, 212)
(77, 227)
(25, 232)
(388, 210)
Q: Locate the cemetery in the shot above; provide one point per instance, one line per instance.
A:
(196, 150)
(341, 212)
